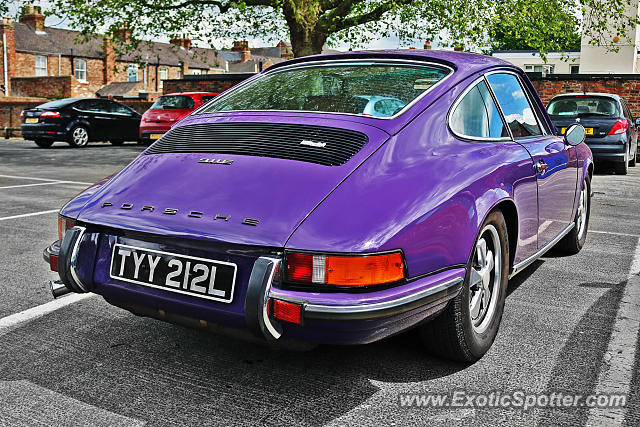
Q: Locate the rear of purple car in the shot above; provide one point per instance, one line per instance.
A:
(295, 209)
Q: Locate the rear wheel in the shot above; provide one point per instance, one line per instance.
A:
(622, 168)
(466, 329)
(79, 136)
(43, 143)
(632, 161)
(574, 241)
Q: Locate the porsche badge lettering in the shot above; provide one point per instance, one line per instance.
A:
(172, 211)
(216, 161)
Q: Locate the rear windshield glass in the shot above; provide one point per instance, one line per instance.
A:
(173, 102)
(365, 88)
(60, 103)
(574, 106)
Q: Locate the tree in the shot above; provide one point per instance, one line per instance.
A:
(311, 23)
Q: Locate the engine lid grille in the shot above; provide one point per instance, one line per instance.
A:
(306, 143)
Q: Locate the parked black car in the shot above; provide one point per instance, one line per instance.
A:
(80, 120)
(612, 132)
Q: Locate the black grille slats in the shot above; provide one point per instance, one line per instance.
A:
(280, 140)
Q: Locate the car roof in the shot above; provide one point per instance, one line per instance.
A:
(603, 94)
(190, 93)
(470, 62)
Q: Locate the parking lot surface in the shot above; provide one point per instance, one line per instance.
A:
(570, 326)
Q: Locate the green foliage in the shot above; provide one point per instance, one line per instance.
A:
(310, 24)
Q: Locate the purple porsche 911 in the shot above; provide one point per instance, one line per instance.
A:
(338, 199)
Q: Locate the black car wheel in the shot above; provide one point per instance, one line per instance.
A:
(622, 168)
(43, 143)
(632, 161)
(116, 142)
(573, 242)
(466, 329)
(79, 136)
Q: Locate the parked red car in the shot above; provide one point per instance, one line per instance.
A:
(167, 110)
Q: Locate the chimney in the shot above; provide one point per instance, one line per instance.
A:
(122, 34)
(183, 41)
(458, 48)
(8, 68)
(283, 50)
(109, 60)
(32, 16)
(184, 68)
(243, 48)
(427, 45)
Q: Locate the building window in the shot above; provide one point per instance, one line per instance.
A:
(546, 68)
(196, 72)
(81, 70)
(132, 72)
(163, 74)
(41, 66)
(575, 69)
(179, 74)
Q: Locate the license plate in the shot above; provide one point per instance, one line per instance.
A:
(155, 136)
(199, 277)
(31, 120)
(589, 131)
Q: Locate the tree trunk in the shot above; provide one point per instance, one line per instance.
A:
(302, 19)
(304, 43)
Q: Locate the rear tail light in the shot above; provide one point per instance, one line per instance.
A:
(22, 114)
(53, 262)
(621, 126)
(345, 270)
(287, 311)
(50, 115)
(64, 224)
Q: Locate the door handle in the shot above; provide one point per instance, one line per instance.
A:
(541, 167)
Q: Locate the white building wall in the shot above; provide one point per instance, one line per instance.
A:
(561, 62)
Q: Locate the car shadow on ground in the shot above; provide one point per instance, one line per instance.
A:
(106, 358)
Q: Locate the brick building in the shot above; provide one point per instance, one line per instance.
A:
(49, 62)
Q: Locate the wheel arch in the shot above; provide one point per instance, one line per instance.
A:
(510, 213)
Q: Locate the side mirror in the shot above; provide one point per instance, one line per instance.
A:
(638, 121)
(575, 134)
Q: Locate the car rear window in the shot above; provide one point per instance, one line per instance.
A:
(173, 102)
(353, 88)
(60, 103)
(574, 106)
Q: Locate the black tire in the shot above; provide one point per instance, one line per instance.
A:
(453, 334)
(43, 143)
(79, 136)
(632, 161)
(573, 242)
(117, 142)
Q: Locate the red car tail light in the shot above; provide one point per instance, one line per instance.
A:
(64, 224)
(53, 262)
(345, 270)
(50, 115)
(287, 311)
(22, 114)
(620, 127)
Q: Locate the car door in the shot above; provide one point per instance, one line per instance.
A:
(127, 122)
(633, 128)
(555, 162)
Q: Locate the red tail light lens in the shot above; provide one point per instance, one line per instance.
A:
(64, 224)
(287, 311)
(621, 126)
(50, 115)
(342, 270)
(22, 114)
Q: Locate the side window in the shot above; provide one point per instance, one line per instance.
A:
(516, 108)
(92, 105)
(626, 112)
(116, 108)
(476, 115)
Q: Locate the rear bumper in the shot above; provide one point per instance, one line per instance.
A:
(333, 318)
(43, 131)
(608, 152)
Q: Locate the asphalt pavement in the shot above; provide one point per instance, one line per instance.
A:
(570, 326)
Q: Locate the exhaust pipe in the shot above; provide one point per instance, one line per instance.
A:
(58, 288)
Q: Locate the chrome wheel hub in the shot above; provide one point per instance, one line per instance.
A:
(581, 222)
(484, 285)
(80, 136)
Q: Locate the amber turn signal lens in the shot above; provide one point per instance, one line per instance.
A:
(343, 270)
(64, 224)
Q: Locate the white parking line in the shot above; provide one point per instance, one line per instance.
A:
(45, 179)
(616, 371)
(30, 185)
(29, 214)
(13, 321)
